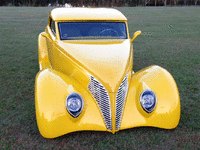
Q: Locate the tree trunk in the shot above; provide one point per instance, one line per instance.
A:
(112, 3)
(103, 3)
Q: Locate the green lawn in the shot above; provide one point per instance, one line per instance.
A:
(170, 38)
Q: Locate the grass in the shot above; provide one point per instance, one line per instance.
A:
(170, 38)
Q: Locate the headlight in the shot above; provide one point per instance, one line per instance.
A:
(148, 100)
(74, 104)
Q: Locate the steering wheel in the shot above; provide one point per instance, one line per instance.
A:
(108, 32)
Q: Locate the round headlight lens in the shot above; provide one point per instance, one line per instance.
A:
(74, 104)
(148, 100)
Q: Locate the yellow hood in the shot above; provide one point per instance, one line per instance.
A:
(107, 60)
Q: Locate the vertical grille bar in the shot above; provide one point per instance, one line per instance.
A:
(120, 100)
(102, 98)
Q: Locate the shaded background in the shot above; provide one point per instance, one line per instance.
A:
(99, 3)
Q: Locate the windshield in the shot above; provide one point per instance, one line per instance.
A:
(92, 30)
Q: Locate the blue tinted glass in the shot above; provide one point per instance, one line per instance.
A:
(92, 30)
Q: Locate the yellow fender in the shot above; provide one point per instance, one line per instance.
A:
(43, 52)
(51, 91)
(53, 87)
(167, 111)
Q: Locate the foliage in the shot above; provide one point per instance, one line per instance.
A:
(110, 3)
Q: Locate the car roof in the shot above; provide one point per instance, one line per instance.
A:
(70, 14)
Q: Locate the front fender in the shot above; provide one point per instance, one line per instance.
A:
(43, 55)
(167, 111)
(51, 89)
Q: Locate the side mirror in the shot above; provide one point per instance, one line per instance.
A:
(137, 33)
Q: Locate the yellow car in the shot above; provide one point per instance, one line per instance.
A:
(86, 81)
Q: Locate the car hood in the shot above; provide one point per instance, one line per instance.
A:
(106, 60)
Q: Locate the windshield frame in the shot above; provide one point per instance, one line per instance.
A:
(94, 21)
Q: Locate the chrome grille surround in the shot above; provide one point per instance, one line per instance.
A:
(102, 98)
(120, 101)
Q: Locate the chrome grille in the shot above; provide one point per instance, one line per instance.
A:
(101, 96)
(120, 100)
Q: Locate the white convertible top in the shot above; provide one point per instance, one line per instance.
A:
(65, 14)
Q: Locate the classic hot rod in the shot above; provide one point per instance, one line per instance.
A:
(86, 81)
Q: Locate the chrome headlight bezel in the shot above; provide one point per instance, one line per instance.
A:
(148, 94)
(76, 98)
